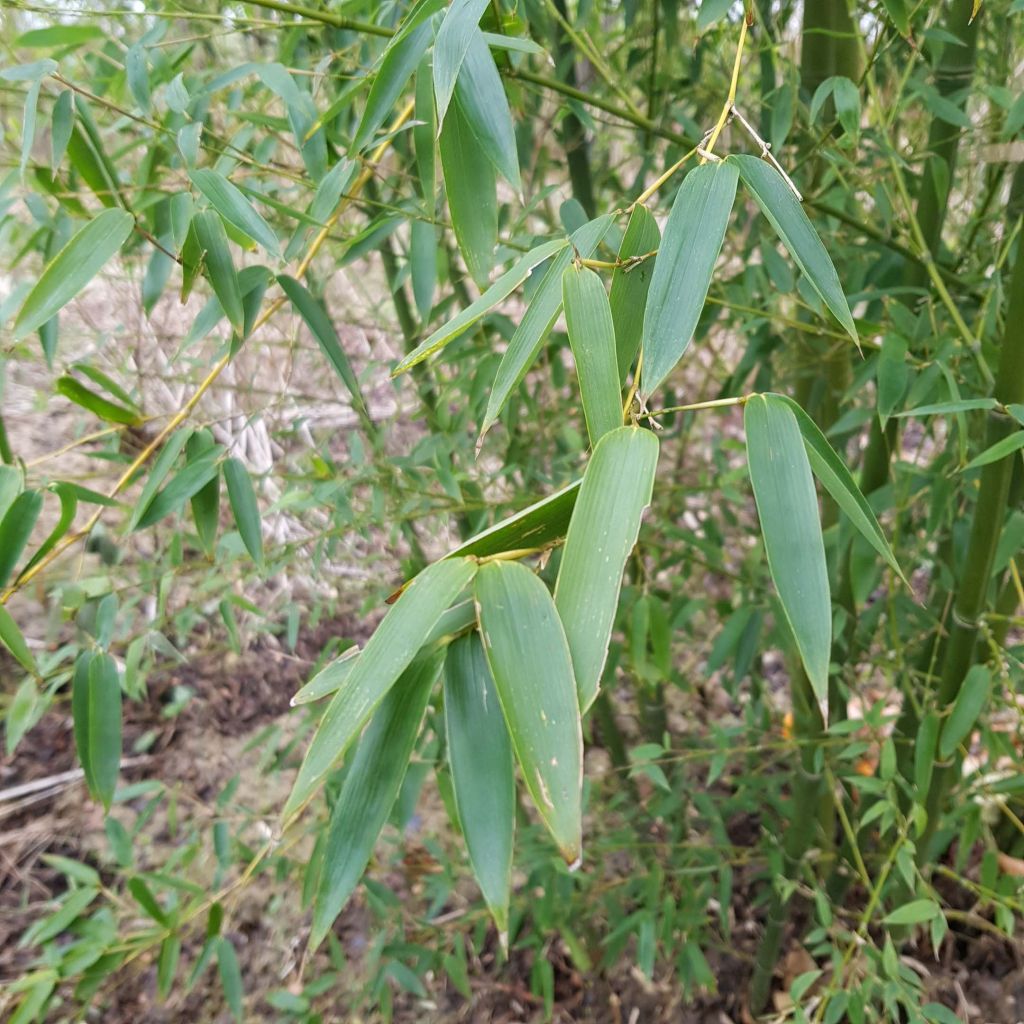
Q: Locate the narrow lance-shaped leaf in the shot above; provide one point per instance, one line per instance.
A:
(386, 656)
(15, 529)
(80, 715)
(686, 260)
(62, 122)
(161, 467)
(786, 215)
(788, 509)
(480, 754)
(617, 487)
(532, 669)
(12, 638)
(481, 98)
(244, 508)
(220, 270)
(453, 40)
(73, 268)
(533, 528)
(190, 480)
(320, 326)
(630, 285)
(830, 469)
(206, 501)
(68, 507)
(538, 319)
(232, 205)
(78, 393)
(588, 320)
(370, 789)
(475, 311)
(970, 700)
(469, 181)
(104, 726)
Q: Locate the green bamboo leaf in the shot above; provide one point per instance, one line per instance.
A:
(205, 502)
(784, 212)
(161, 467)
(588, 320)
(145, 899)
(970, 700)
(73, 268)
(11, 485)
(220, 270)
(192, 479)
(15, 529)
(686, 260)
(481, 98)
(232, 205)
(532, 668)
(320, 326)
(370, 789)
(244, 508)
(453, 41)
(68, 506)
(137, 76)
(87, 156)
(423, 266)
(167, 965)
(61, 123)
(424, 136)
(13, 639)
(830, 469)
(788, 508)
(480, 755)
(949, 408)
(80, 715)
(28, 124)
(538, 319)
(915, 912)
(898, 15)
(1003, 447)
(230, 976)
(925, 745)
(329, 679)
(23, 711)
(475, 311)
(630, 285)
(469, 180)
(78, 393)
(104, 727)
(386, 656)
(617, 487)
(399, 60)
(59, 35)
(535, 527)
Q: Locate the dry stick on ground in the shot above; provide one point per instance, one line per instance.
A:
(183, 413)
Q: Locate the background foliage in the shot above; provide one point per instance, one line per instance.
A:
(284, 303)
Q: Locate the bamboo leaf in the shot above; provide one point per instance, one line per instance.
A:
(784, 212)
(244, 508)
(15, 529)
(137, 76)
(453, 41)
(686, 260)
(533, 528)
(481, 98)
(915, 912)
(399, 60)
(386, 656)
(617, 487)
(1003, 447)
(830, 469)
(538, 320)
(480, 754)
(230, 976)
(61, 123)
(206, 501)
(370, 789)
(220, 270)
(104, 726)
(161, 467)
(949, 408)
(588, 320)
(232, 205)
(189, 481)
(73, 268)
(68, 506)
(532, 669)
(469, 180)
(78, 393)
(630, 285)
(970, 700)
(925, 745)
(475, 311)
(80, 715)
(329, 679)
(13, 639)
(788, 508)
(320, 326)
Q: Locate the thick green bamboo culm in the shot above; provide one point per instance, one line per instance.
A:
(986, 528)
